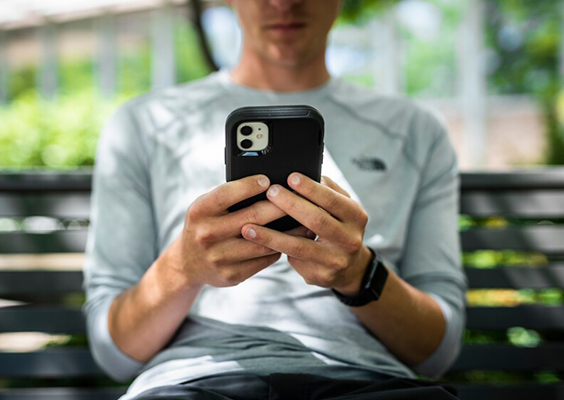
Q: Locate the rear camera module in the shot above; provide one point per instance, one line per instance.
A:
(252, 137)
(246, 130)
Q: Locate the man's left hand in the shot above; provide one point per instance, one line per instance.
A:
(338, 258)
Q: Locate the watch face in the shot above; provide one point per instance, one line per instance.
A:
(378, 279)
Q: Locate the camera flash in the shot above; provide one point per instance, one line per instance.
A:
(259, 136)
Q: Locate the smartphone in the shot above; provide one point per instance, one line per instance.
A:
(274, 141)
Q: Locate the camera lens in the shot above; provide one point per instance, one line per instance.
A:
(246, 144)
(246, 130)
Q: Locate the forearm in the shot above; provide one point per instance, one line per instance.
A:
(143, 318)
(408, 321)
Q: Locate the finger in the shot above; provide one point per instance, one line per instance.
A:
(239, 272)
(312, 272)
(293, 246)
(237, 250)
(301, 231)
(305, 212)
(333, 185)
(218, 200)
(260, 213)
(337, 204)
(258, 264)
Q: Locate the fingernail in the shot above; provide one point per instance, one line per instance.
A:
(263, 181)
(273, 191)
(310, 234)
(251, 233)
(295, 179)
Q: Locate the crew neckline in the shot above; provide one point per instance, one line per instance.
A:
(225, 79)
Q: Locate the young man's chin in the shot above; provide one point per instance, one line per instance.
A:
(291, 58)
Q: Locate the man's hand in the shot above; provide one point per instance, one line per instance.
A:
(210, 249)
(338, 258)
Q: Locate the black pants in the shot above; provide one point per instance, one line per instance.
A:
(300, 387)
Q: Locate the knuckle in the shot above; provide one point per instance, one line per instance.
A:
(290, 205)
(263, 250)
(353, 245)
(338, 263)
(220, 198)
(252, 215)
(205, 237)
(215, 260)
(230, 277)
(299, 250)
(363, 217)
(310, 280)
(319, 222)
(324, 280)
(332, 201)
(193, 211)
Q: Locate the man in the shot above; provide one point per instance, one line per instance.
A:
(202, 303)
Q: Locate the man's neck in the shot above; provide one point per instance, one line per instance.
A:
(259, 73)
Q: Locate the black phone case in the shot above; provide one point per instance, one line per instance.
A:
(295, 144)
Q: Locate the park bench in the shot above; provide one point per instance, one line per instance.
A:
(519, 211)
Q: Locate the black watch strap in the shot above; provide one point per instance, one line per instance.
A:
(371, 286)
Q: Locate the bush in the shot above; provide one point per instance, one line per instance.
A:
(59, 133)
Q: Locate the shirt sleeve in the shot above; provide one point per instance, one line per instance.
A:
(431, 260)
(122, 240)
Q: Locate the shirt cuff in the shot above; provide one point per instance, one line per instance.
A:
(441, 359)
(108, 356)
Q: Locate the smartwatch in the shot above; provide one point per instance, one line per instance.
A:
(371, 286)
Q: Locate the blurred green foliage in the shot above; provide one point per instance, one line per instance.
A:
(431, 61)
(358, 11)
(63, 132)
(525, 38)
(56, 134)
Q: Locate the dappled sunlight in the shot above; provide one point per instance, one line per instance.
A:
(30, 341)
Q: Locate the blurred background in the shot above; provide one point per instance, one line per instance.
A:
(493, 68)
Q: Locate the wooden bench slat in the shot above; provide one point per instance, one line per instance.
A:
(46, 319)
(68, 241)
(50, 363)
(529, 179)
(20, 282)
(513, 392)
(542, 238)
(528, 204)
(550, 276)
(546, 357)
(50, 204)
(526, 316)
(63, 393)
(48, 180)
(66, 320)
(43, 262)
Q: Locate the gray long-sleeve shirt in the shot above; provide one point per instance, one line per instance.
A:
(160, 151)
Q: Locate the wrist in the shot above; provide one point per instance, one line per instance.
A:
(169, 267)
(372, 284)
(352, 287)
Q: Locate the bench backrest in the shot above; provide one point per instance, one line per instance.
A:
(516, 219)
(520, 212)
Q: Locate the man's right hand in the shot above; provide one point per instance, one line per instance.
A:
(211, 250)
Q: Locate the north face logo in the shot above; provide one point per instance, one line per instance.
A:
(371, 164)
